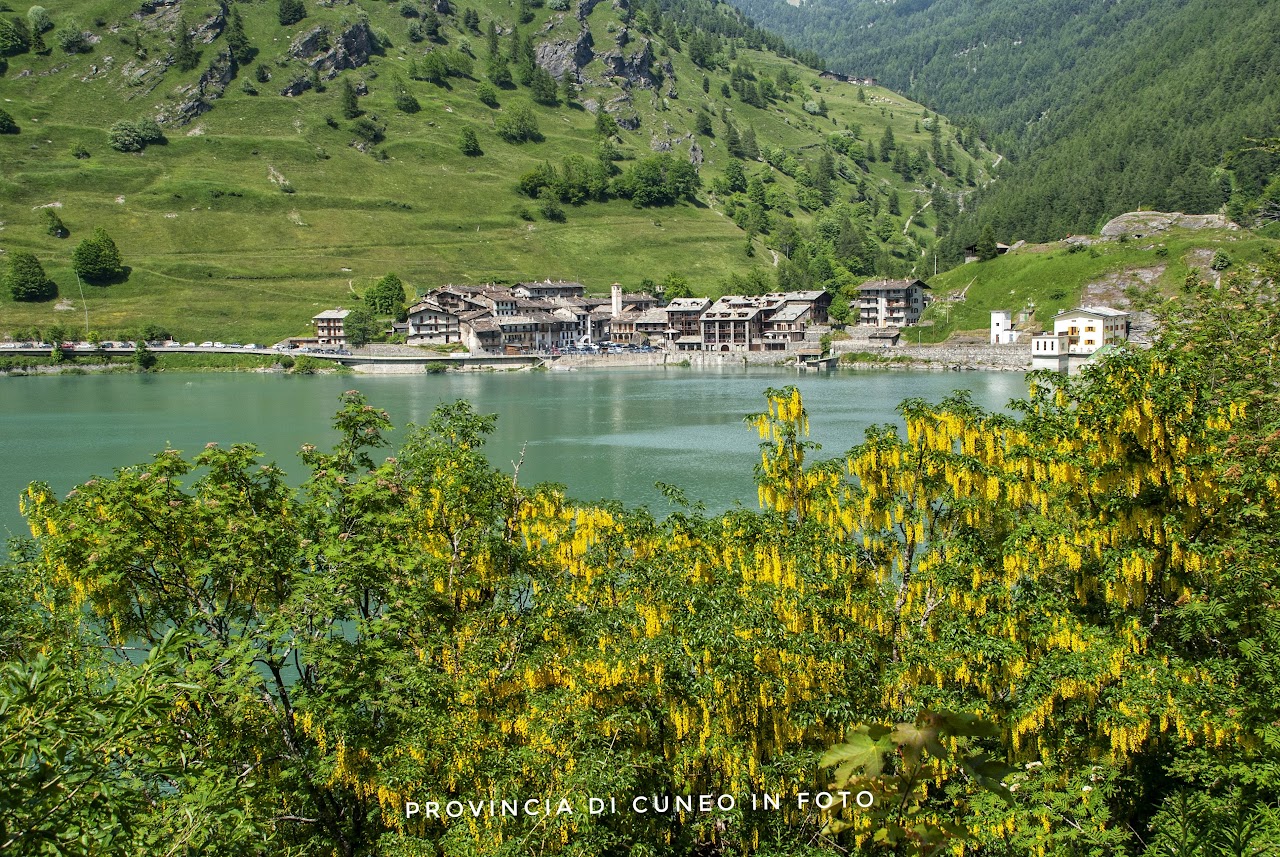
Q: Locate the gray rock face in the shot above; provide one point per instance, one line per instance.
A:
(198, 99)
(635, 67)
(351, 49)
(695, 154)
(311, 42)
(1139, 223)
(623, 113)
(149, 7)
(584, 8)
(212, 27)
(565, 56)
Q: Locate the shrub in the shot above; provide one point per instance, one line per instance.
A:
(1221, 261)
(368, 130)
(468, 144)
(53, 224)
(7, 125)
(549, 205)
(38, 19)
(406, 103)
(487, 94)
(71, 38)
(519, 125)
(126, 136)
(307, 365)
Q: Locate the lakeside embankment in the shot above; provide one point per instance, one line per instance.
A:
(405, 360)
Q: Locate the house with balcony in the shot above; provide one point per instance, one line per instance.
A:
(1089, 328)
(330, 330)
(1078, 334)
(892, 303)
(429, 323)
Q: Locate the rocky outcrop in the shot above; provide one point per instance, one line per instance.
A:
(212, 27)
(634, 67)
(327, 56)
(584, 9)
(1136, 224)
(198, 98)
(150, 7)
(310, 43)
(623, 113)
(565, 56)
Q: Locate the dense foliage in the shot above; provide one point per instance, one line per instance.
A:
(97, 258)
(1095, 577)
(25, 279)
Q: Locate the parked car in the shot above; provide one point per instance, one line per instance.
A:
(252, 345)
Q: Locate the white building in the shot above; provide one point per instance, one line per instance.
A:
(1091, 327)
(891, 303)
(1002, 331)
(1077, 334)
(431, 324)
(1049, 351)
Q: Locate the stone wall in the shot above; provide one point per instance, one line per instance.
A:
(1010, 358)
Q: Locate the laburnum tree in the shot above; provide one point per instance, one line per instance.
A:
(1092, 579)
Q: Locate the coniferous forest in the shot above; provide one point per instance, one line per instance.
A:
(1099, 108)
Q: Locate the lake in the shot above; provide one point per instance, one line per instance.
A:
(602, 433)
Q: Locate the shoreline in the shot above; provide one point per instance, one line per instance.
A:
(917, 358)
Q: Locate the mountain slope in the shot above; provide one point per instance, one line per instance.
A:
(266, 203)
(1103, 107)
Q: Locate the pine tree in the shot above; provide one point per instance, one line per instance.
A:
(26, 279)
(291, 12)
(404, 100)
(491, 39)
(542, 86)
(499, 72)
(185, 55)
(732, 141)
(750, 149)
(887, 144)
(237, 41)
(986, 248)
(7, 125)
(350, 103)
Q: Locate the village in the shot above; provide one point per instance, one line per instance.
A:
(553, 318)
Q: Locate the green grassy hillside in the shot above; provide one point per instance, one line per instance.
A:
(1048, 278)
(267, 208)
